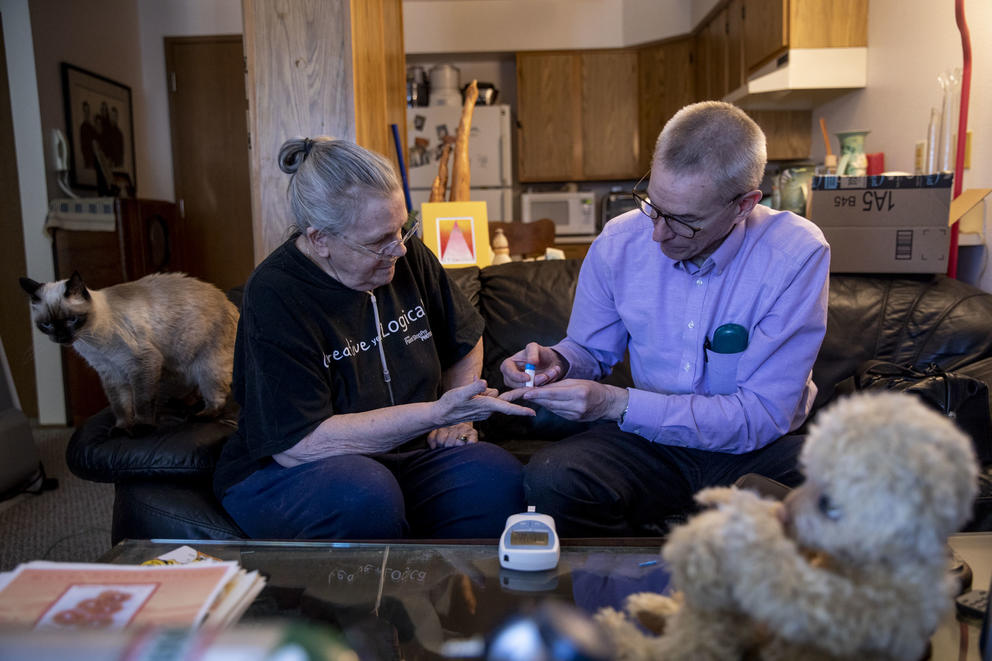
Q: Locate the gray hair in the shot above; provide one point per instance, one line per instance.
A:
(715, 138)
(330, 181)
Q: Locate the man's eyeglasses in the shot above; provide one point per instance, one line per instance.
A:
(679, 227)
(388, 251)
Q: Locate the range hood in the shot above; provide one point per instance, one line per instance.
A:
(803, 78)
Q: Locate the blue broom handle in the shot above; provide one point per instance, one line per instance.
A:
(399, 157)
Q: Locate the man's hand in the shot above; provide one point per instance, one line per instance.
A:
(462, 433)
(575, 399)
(548, 366)
(473, 402)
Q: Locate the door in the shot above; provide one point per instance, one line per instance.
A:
(15, 322)
(766, 31)
(610, 144)
(208, 115)
(666, 84)
(550, 123)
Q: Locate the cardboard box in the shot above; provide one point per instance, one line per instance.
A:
(890, 224)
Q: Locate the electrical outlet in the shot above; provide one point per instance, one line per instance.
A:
(60, 151)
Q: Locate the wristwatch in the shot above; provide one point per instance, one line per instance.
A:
(624, 414)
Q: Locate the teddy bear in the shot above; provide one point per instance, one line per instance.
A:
(853, 565)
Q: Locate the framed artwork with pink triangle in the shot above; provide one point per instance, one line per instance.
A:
(458, 233)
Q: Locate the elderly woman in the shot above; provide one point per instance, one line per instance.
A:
(357, 370)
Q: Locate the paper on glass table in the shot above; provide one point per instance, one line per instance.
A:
(58, 595)
(237, 594)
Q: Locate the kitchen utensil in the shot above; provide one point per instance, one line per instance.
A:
(444, 85)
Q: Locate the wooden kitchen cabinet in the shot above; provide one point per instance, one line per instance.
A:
(719, 53)
(665, 84)
(736, 75)
(610, 144)
(550, 129)
(773, 26)
(578, 115)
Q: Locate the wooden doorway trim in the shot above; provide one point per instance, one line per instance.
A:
(208, 125)
(15, 322)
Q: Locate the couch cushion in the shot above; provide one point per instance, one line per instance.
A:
(150, 510)
(907, 320)
(467, 280)
(180, 448)
(524, 302)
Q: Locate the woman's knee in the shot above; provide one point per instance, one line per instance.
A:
(335, 498)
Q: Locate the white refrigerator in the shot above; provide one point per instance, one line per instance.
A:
(488, 147)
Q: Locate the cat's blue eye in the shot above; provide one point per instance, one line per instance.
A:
(46, 326)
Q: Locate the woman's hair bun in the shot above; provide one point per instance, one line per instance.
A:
(292, 154)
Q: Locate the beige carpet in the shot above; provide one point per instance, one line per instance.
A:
(71, 523)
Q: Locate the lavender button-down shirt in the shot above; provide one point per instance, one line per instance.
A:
(770, 276)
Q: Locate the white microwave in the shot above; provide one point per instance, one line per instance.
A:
(574, 214)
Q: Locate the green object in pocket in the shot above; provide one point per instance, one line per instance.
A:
(729, 338)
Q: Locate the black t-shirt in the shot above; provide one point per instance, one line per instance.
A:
(307, 348)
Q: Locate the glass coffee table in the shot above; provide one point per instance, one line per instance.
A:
(420, 600)
(425, 600)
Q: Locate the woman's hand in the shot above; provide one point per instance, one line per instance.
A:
(548, 366)
(476, 401)
(575, 399)
(452, 436)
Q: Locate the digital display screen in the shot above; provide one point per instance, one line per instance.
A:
(527, 538)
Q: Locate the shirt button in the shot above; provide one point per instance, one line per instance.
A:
(692, 324)
(699, 282)
(686, 367)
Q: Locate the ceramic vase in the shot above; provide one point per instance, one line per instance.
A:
(853, 161)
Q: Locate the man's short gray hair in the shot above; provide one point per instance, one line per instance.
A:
(714, 138)
(331, 180)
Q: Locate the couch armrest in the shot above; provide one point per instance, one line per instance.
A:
(176, 449)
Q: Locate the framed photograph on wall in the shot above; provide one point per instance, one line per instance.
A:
(100, 126)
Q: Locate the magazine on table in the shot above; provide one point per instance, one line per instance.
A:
(182, 588)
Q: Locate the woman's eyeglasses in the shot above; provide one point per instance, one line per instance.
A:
(388, 251)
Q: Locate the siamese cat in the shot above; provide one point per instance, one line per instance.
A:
(155, 335)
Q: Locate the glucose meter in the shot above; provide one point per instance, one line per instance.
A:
(529, 542)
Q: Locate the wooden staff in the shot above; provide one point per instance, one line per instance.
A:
(460, 171)
(440, 184)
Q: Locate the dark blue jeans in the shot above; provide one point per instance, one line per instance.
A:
(608, 483)
(446, 493)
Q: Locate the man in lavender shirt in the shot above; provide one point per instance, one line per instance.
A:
(698, 254)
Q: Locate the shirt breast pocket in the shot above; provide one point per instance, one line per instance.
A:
(721, 372)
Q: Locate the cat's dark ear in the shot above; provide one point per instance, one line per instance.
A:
(31, 287)
(74, 285)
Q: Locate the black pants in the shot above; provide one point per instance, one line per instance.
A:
(609, 483)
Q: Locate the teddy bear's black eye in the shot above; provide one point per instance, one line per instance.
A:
(828, 508)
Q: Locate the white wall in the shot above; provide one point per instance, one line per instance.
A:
(474, 26)
(699, 10)
(100, 36)
(480, 26)
(651, 20)
(34, 194)
(909, 44)
(158, 19)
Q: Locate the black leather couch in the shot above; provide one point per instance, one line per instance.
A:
(162, 479)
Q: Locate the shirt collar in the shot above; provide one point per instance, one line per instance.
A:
(722, 256)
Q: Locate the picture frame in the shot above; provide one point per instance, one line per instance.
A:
(99, 122)
(458, 233)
